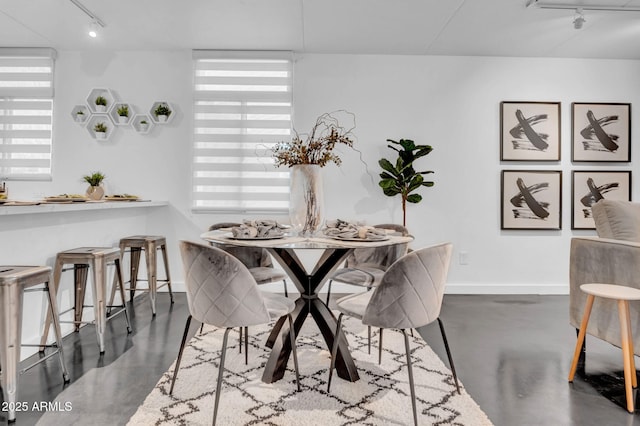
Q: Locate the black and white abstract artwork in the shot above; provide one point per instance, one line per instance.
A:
(601, 132)
(590, 186)
(531, 199)
(530, 131)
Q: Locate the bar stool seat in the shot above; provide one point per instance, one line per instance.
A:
(150, 244)
(97, 259)
(14, 282)
(623, 295)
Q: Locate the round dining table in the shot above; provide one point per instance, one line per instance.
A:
(283, 249)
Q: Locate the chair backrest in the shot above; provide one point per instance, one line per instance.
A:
(251, 257)
(381, 257)
(220, 289)
(410, 292)
(617, 219)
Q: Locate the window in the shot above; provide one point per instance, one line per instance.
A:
(26, 113)
(242, 107)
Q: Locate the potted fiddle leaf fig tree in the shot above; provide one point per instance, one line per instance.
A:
(400, 178)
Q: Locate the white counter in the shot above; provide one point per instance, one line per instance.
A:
(73, 207)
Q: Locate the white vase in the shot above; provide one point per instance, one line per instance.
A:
(144, 127)
(101, 135)
(162, 118)
(306, 199)
(122, 119)
(101, 108)
(79, 118)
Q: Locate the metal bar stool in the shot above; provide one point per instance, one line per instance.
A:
(622, 295)
(14, 282)
(97, 259)
(150, 244)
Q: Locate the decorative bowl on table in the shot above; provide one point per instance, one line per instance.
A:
(122, 197)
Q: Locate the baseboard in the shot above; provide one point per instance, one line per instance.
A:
(470, 288)
(452, 288)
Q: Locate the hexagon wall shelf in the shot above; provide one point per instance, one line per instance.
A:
(81, 114)
(141, 127)
(116, 118)
(155, 118)
(105, 93)
(100, 118)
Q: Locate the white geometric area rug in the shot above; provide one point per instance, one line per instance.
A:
(380, 397)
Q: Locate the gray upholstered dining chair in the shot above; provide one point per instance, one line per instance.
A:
(364, 267)
(257, 259)
(409, 296)
(222, 292)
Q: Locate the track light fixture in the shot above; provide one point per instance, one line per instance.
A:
(96, 23)
(543, 5)
(579, 20)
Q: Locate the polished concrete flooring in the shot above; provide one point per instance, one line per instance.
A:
(512, 353)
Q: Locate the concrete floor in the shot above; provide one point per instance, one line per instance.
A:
(512, 353)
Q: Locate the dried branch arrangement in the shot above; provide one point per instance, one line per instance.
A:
(318, 145)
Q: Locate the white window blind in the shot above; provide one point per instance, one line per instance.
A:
(26, 113)
(242, 107)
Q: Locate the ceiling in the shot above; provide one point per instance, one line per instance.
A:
(408, 27)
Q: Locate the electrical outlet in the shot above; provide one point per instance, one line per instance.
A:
(463, 258)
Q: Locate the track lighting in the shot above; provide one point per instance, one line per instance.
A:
(96, 23)
(93, 29)
(579, 20)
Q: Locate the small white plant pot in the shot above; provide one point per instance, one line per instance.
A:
(144, 127)
(122, 119)
(79, 118)
(101, 108)
(101, 135)
(162, 118)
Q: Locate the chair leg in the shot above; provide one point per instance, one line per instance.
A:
(292, 336)
(380, 348)
(240, 329)
(369, 339)
(286, 293)
(411, 384)
(182, 345)
(446, 346)
(329, 291)
(201, 327)
(51, 294)
(334, 351)
(246, 346)
(165, 258)
(220, 374)
(118, 274)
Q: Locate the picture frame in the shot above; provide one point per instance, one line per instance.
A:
(531, 199)
(590, 186)
(601, 132)
(529, 131)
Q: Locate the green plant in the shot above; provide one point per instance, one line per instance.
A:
(162, 109)
(80, 113)
(143, 122)
(100, 127)
(123, 110)
(402, 178)
(94, 179)
(101, 100)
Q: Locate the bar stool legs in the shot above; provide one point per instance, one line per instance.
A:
(14, 282)
(96, 259)
(150, 244)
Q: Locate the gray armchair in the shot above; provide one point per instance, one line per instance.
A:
(611, 258)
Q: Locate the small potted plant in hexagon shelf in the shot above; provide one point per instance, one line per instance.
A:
(162, 112)
(79, 116)
(100, 130)
(144, 125)
(101, 104)
(123, 114)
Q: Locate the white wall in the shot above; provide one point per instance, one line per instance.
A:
(451, 103)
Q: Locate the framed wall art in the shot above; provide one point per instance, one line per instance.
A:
(601, 132)
(590, 186)
(531, 199)
(530, 131)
